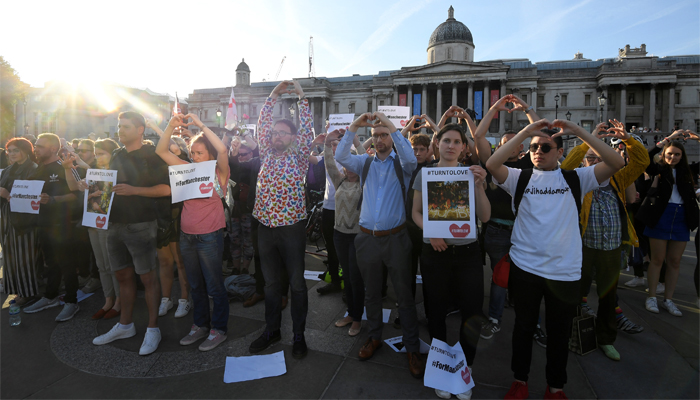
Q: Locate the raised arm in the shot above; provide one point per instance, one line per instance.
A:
(481, 201)
(520, 105)
(403, 147)
(342, 152)
(500, 156)
(306, 121)
(154, 126)
(638, 156)
(265, 118)
(219, 146)
(163, 147)
(67, 163)
(332, 169)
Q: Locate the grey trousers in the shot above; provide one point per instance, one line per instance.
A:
(395, 252)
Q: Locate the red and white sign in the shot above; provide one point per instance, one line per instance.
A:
(192, 181)
(97, 202)
(448, 203)
(398, 116)
(25, 196)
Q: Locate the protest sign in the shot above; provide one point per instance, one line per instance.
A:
(399, 116)
(25, 196)
(448, 203)
(250, 129)
(446, 368)
(98, 197)
(192, 181)
(340, 121)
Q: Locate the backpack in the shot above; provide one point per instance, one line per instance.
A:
(399, 175)
(571, 178)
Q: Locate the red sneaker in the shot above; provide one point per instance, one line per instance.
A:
(558, 395)
(518, 390)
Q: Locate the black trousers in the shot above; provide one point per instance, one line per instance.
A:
(327, 228)
(57, 244)
(258, 274)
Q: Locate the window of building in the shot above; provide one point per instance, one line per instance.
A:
(631, 99)
(381, 102)
(254, 111)
(336, 108)
(449, 53)
(432, 56)
(678, 124)
(611, 100)
(564, 100)
(587, 100)
(540, 100)
(524, 97)
(369, 105)
(206, 114)
(351, 108)
(587, 125)
(677, 97)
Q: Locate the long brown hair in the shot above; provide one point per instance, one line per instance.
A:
(683, 171)
(200, 138)
(24, 145)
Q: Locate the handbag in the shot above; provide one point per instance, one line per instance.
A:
(648, 210)
(583, 339)
(501, 272)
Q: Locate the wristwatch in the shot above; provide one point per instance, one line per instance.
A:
(527, 110)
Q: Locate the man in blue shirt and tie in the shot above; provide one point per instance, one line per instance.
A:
(383, 237)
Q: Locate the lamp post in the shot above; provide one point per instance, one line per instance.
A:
(292, 111)
(218, 117)
(601, 101)
(568, 115)
(556, 106)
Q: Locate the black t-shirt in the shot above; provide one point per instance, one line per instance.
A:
(500, 200)
(139, 168)
(54, 177)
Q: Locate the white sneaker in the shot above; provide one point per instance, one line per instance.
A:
(636, 281)
(41, 305)
(165, 305)
(183, 307)
(651, 305)
(443, 394)
(150, 342)
(115, 333)
(671, 307)
(468, 394)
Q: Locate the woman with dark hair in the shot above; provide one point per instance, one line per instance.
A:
(676, 214)
(18, 242)
(202, 235)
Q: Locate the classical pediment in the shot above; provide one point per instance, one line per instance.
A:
(450, 67)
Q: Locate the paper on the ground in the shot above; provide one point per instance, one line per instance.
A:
(385, 315)
(419, 279)
(312, 275)
(241, 369)
(81, 296)
(446, 368)
(398, 346)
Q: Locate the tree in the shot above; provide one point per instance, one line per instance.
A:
(11, 91)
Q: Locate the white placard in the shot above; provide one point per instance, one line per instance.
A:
(98, 198)
(340, 121)
(25, 196)
(398, 346)
(192, 181)
(241, 369)
(399, 116)
(448, 203)
(446, 368)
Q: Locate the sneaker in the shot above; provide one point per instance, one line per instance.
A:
(195, 334)
(558, 395)
(165, 305)
(540, 337)
(264, 341)
(610, 352)
(468, 394)
(671, 307)
(443, 394)
(329, 288)
(183, 307)
(660, 288)
(585, 309)
(651, 305)
(625, 325)
(299, 348)
(214, 339)
(518, 390)
(150, 342)
(488, 329)
(69, 310)
(636, 281)
(115, 333)
(41, 305)
(91, 285)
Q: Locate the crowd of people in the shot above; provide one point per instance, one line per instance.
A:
(562, 221)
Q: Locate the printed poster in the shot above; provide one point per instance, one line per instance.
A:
(98, 197)
(340, 121)
(479, 104)
(25, 196)
(402, 100)
(448, 203)
(192, 181)
(398, 116)
(250, 129)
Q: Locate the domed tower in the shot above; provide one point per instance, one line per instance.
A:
(451, 40)
(242, 74)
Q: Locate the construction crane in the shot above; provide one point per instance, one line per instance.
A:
(278, 69)
(312, 70)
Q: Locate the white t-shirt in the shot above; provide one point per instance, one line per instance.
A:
(546, 240)
(675, 196)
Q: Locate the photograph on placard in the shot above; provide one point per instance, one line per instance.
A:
(448, 201)
(99, 196)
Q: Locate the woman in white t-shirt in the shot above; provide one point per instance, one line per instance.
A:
(451, 268)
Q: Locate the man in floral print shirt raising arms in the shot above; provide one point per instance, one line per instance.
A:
(280, 207)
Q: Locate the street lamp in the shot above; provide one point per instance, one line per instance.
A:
(568, 115)
(292, 111)
(218, 117)
(556, 106)
(601, 101)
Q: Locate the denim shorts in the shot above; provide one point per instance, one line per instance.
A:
(132, 244)
(671, 225)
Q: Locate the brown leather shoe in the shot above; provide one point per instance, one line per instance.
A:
(253, 300)
(284, 302)
(367, 350)
(416, 365)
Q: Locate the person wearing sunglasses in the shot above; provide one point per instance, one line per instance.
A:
(546, 255)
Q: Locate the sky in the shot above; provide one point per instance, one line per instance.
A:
(178, 46)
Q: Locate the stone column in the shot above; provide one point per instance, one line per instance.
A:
(438, 108)
(323, 112)
(424, 99)
(502, 117)
(409, 100)
(374, 103)
(652, 106)
(605, 107)
(470, 95)
(671, 107)
(623, 104)
(395, 101)
(454, 98)
(533, 98)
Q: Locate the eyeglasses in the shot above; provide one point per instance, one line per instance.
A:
(593, 159)
(546, 147)
(244, 154)
(279, 133)
(380, 136)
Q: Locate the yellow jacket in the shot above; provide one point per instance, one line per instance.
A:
(638, 162)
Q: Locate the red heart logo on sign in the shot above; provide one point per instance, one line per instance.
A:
(466, 376)
(206, 188)
(403, 122)
(35, 205)
(100, 221)
(460, 232)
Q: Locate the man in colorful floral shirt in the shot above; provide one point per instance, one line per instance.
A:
(280, 207)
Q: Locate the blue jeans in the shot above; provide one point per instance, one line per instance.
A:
(202, 257)
(497, 244)
(354, 285)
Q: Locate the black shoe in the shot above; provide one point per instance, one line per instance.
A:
(329, 288)
(299, 349)
(264, 341)
(540, 336)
